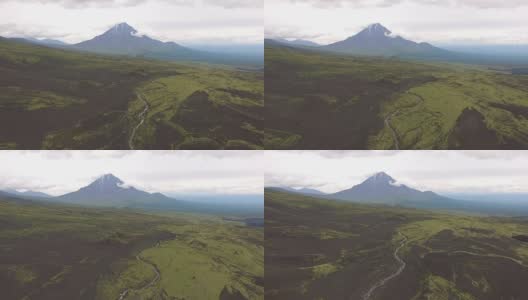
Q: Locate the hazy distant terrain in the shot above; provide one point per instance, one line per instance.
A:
(325, 249)
(111, 192)
(381, 188)
(123, 39)
(64, 99)
(377, 91)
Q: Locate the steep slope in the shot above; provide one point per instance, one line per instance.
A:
(383, 189)
(123, 39)
(109, 190)
(376, 40)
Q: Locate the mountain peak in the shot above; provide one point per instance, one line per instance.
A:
(377, 40)
(107, 180)
(380, 177)
(122, 29)
(376, 29)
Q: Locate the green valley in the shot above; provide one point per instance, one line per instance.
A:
(323, 100)
(59, 99)
(326, 249)
(59, 251)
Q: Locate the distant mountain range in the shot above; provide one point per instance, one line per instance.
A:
(47, 42)
(296, 42)
(123, 39)
(374, 40)
(304, 191)
(27, 194)
(110, 191)
(381, 188)
(377, 40)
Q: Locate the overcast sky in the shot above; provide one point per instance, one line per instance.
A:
(434, 21)
(181, 21)
(438, 171)
(59, 172)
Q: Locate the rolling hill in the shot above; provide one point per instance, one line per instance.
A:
(53, 98)
(321, 100)
(61, 251)
(322, 249)
(26, 193)
(303, 191)
(295, 42)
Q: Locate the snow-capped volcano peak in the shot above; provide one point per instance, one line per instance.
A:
(377, 29)
(380, 178)
(122, 28)
(106, 182)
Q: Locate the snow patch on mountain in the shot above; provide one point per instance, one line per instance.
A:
(124, 185)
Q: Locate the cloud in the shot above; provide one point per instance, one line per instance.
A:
(236, 3)
(59, 172)
(24, 183)
(287, 33)
(328, 4)
(293, 181)
(80, 4)
(494, 155)
(124, 185)
(339, 3)
(439, 171)
(180, 21)
(337, 154)
(18, 30)
(85, 3)
(479, 3)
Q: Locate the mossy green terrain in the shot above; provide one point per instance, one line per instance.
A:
(52, 251)
(445, 256)
(329, 101)
(57, 99)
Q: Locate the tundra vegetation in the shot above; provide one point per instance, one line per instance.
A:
(59, 99)
(327, 249)
(58, 251)
(317, 100)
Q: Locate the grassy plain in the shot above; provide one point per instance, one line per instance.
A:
(66, 252)
(326, 101)
(55, 99)
(446, 256)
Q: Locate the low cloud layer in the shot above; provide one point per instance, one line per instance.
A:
(181, 21)
(386, 3)
(434, 21)
(128, 3)
(210, 172)
(439, 171)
